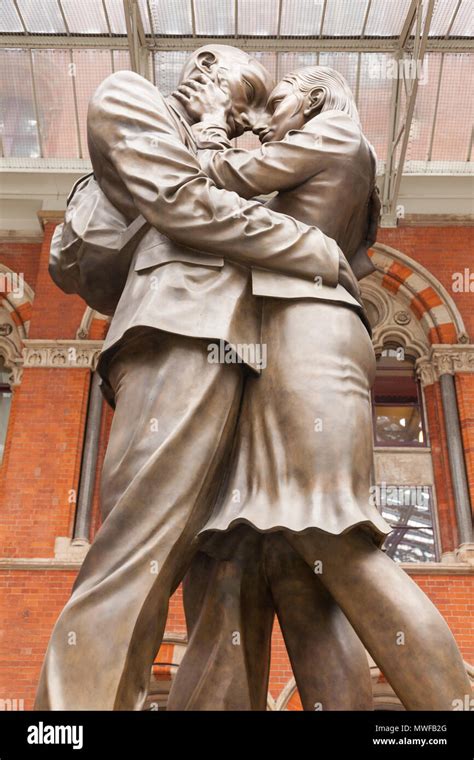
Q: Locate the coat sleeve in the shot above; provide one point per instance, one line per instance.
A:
(279, 165)
(139, 158)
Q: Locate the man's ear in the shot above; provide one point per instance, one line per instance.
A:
(315, 101)
(205, 62)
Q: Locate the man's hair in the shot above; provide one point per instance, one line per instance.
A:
(339, 95)
(220, 52)
(234, 56)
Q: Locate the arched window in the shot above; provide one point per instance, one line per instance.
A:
(397, 406)
(5, 403)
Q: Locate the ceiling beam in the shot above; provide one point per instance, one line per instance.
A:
(408, 24)
(366, 18)
(256, 44)
(137, 43)
(408, 71)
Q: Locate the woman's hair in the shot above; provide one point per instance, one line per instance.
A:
(339, 95)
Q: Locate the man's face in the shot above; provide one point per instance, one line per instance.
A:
(284, 111)
(249, 87)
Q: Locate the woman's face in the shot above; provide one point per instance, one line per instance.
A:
(284, 111)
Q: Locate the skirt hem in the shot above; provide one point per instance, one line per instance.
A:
(220, 542)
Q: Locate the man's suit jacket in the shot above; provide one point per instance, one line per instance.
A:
(189, 274)
(324, 175)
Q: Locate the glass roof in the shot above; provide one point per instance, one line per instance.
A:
(49, 68)
(246, 18)
(45, 95)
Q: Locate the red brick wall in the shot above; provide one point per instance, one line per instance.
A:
(441, 250)
(42, 460)
(55, 314)
(34, 599)
(454, 597)
(22, 258)
(30, 602)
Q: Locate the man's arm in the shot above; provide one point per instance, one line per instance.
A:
(139, 157)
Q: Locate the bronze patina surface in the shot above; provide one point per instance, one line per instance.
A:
(167, 236)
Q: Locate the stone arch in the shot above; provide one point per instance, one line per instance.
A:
(19, 306)
(410, 302)
(287, 694)
(392, 322)
(383, 694)
(15, 316)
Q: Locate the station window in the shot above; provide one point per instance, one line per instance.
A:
(409, 510)
(396, 401)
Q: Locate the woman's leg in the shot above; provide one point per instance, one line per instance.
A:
(401, 628)
(327, 657)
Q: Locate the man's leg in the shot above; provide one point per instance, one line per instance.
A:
(403, 631)
(229, 616)
(173, 426)
(327, 657)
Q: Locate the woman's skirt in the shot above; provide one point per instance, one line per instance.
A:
(303, 452)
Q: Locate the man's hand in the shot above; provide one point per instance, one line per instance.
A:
(206, 100)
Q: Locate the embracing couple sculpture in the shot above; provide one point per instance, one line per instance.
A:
(252, 482)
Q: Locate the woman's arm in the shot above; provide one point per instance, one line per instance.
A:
(275, 166)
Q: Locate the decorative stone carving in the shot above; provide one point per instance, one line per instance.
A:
(394, 324)
(10, 353)
(15, 376)
(61, 354)
(402, 317)
(425, 371)
(445, 360)
(453, 359)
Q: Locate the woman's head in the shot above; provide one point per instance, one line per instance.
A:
(301, 95)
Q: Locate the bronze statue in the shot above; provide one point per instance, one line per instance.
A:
(175, 412)
(203, 263)
(303, 450)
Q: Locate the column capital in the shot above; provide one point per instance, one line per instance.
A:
(445, 360)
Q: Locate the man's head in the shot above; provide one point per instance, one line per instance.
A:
(248, 82)
(302, 95)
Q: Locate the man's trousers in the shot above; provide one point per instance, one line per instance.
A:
(171, 436)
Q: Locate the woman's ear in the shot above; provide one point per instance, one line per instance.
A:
(315, 100)
(205, 62)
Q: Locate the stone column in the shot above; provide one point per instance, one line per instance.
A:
(442, 365)
(88, 464)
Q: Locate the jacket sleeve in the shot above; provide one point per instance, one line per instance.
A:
(279, 165)
(140, 159)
